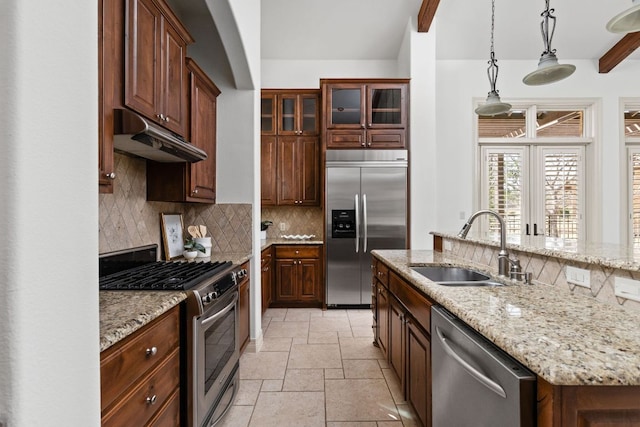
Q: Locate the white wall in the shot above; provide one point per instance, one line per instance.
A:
(279, 74)
(458, 82)
(49, 334)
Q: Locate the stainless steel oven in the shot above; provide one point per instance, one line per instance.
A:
(216, 355)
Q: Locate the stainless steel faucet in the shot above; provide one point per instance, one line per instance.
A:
(503, 256)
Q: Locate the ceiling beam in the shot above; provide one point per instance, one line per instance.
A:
(625, 47)
(426, 14)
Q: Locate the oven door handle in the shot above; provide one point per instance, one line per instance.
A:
(223, 311)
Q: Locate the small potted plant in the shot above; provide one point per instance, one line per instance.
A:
(191, 248)
(263, 229)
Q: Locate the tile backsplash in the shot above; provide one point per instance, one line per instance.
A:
(550, 270)
(128, 220)
(296, 220)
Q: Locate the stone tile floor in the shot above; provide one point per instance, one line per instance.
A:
(317, 368)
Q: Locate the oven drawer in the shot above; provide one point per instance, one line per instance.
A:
(297, 251)
(148, 397)
(125, 362)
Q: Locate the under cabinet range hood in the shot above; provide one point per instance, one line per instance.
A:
(139, 136)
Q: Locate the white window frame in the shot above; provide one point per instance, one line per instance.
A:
(590, 142)
(631, 146)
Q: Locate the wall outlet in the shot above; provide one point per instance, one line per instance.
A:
(283, 226)
(578, 276)
(627, 288)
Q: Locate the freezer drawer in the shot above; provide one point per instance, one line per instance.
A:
(474, 383)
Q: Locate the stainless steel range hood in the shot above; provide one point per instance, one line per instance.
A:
(136, 135)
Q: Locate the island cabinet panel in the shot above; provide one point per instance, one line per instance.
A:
(587, 406)
(418, 371)
(380, 305)
(397, 335)
(140, 375)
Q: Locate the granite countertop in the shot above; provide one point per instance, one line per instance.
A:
(124, 312)
(564, 338)
(282, 241)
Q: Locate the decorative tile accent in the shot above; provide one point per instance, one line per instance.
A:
(127, 220)
(550, 270)
(297, 220)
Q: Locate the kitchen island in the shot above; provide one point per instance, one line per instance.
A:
(583, 351)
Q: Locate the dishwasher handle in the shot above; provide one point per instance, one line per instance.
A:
(479, 376)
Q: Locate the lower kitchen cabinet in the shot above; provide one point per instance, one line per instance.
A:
(380, 305)
(244, 311)
(298, 276)
(266, 263)
(140, 376)
(418, 371)
(397, 322)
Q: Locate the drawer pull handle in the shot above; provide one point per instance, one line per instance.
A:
(152, 400)
(152, 351)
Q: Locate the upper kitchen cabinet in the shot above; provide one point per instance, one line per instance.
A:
(191, 182)
(290, 144)
(365, 113)
(155, 75)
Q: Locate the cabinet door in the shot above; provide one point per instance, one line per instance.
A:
(268, 181)
(386, 106)
(397, 338)
(174, 83)
(268, 124)
(286, 280)
(203, 135)
(288, 114)
(309, 117)
(383, 320)
(309, 283)
(142, 82)
(308, 171)
(418, 373)
(243, 314)
(266, 279)
(288, 172)
(346, 106)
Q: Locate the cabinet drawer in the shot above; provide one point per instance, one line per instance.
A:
(298, 251)
(381, 272)
(169, 414)
(125, 362)
(417, 304)
(141, 403)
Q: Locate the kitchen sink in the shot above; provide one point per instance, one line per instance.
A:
(454, 276)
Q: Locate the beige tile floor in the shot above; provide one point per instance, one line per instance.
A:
(317, 368)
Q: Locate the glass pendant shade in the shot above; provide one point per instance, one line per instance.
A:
(549, 70)
(627, 21)
(493, 106)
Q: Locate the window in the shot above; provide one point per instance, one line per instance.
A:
(632, 141)
(532, 170)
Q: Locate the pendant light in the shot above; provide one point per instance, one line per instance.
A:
(549, 71)
(627, 21)
(493, 106)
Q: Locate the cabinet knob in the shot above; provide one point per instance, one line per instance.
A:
(160, 116)
(369, 144)
(111, 175)
(152, 351)
(152, 400)
(166, 119)
(362, 126)
(195, 191)
(297, 251)
(369, 125)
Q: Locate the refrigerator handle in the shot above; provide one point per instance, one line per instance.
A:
(357, 223)
(364, 222)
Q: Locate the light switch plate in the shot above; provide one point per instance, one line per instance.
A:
(578, 276)
(627, 288)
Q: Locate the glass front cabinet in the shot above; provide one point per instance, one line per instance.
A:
(365, 113)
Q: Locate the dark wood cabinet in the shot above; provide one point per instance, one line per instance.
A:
(244, 311)
(380, 305)
(266, 278)
(290, 144)
(191, 182)
(397, 326)
(365, 113)
(298, 169)
(140, 376)
(418, 370)
(298, 276)
(155, 77)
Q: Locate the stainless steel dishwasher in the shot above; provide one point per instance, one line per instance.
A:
(474, 383)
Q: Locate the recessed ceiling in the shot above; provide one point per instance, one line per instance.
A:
(373, 29)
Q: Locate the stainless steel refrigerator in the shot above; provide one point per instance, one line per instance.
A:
(366, 209)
